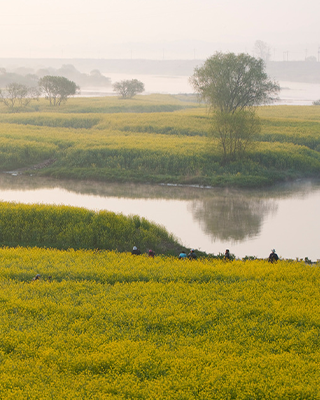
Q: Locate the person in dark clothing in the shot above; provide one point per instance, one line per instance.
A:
(151, 253)
(136, 251)
(273, 256)
(192, 255)
(227, 255)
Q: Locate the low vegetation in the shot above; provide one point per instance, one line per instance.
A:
(108, 325)
(103, 324)
(159, 139)
(65, 227)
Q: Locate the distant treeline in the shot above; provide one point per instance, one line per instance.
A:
(29, 77)
(296, 71)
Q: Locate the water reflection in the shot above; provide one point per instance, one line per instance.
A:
(232, 216)
(250, 222)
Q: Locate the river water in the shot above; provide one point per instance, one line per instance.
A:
(248, 222)
(292, 93)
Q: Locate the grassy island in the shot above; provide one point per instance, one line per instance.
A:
(155, 138)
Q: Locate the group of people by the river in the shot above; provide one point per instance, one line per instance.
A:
(135, 251)
(191, 256)
(273, 257)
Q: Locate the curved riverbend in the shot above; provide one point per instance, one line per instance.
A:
(248, 222)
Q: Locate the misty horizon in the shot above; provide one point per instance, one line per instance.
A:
(161, 30)
(173, 50)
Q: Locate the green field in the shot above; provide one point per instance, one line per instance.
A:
(155, 138)
(109, 325)
(63, 227)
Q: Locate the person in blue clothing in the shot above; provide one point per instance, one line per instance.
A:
(182, 255)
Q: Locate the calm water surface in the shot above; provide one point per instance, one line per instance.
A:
(249, 222)
(292, 93)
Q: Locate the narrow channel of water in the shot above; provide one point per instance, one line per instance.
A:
(249, 222)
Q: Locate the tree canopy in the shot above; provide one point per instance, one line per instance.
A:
(229, 82)
(232, 85)
(128, 88)
(57, 89)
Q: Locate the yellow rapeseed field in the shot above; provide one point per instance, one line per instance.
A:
(108, 325)
(156, 138)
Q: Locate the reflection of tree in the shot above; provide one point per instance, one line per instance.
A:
(222, 214)
(232, 216)
(146, 191)
(124, 190)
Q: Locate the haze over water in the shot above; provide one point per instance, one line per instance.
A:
(249, 222)
(292, 93)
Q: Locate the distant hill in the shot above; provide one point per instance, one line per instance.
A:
(295, 71)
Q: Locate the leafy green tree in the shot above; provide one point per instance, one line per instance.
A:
(16, 96)
(232, 85)
(128, 88)
(57, 89)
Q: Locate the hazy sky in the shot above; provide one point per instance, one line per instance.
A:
(157, 28)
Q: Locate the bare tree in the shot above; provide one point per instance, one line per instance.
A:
(15, 96)
(262, 50)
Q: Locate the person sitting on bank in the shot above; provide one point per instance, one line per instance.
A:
(192, 255)
(151, 253)
(36, 278)
(273, 256)
(136, 251)
(182, 255)
(227, 255)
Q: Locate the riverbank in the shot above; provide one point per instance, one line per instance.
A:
(156, 139)
(249, 222)
(63, 227)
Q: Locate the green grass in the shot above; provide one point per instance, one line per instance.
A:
(110, 142)
(64, 227)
